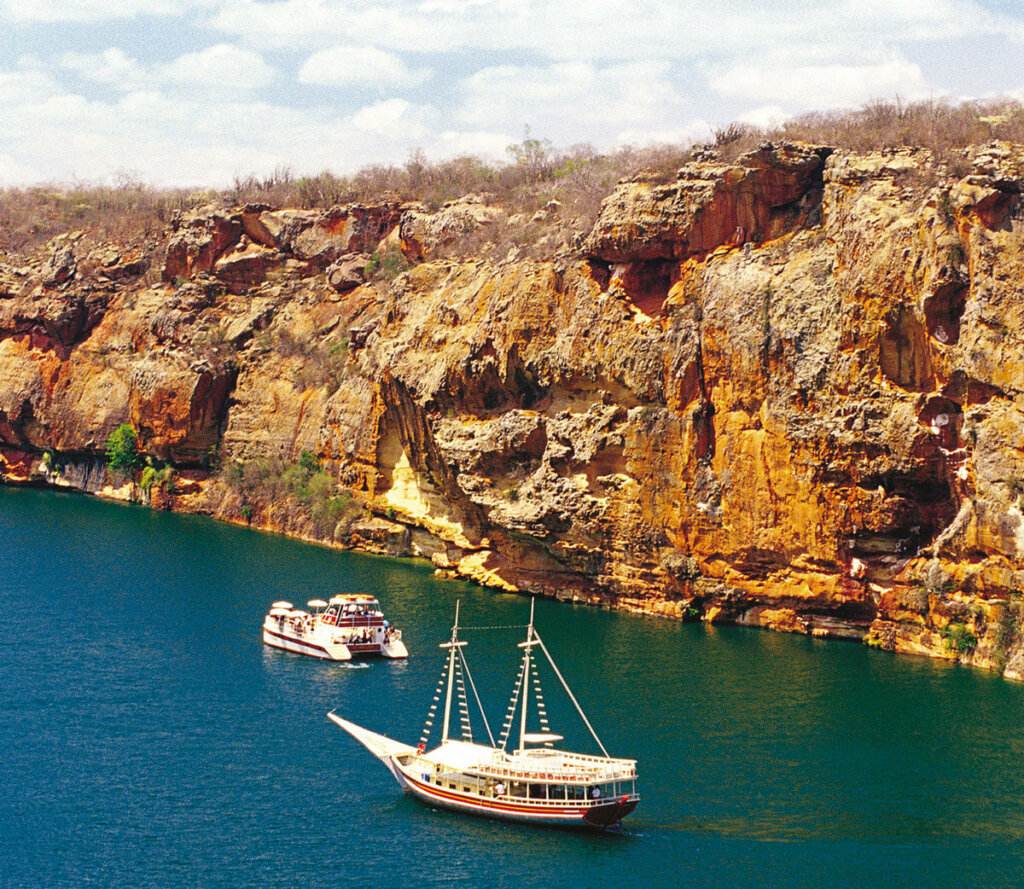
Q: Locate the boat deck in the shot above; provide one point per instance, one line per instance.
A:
(538, 764)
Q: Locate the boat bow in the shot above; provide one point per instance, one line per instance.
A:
(380, 746)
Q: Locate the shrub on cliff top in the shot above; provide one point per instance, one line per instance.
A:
(122, 449)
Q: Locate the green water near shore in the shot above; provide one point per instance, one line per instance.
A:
(150, 739)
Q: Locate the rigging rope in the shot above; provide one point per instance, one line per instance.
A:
(472, 685)
(510, 715)
(541, 709)
(467, 729)
(432, 712)
(568, 691)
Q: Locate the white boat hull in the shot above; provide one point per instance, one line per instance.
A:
(325, 642)
(394, 649)
(597, 815)
(314, 648)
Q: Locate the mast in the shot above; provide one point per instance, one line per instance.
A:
(452, 647)
(528, 645)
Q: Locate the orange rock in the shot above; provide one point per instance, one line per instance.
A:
(784, 391)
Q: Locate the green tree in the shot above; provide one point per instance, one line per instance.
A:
(535, 157)
(123, 455)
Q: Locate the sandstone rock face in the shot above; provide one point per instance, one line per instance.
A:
(242, 247)
(423, 233)
(766, 194)
(348, 272)
(785, 392)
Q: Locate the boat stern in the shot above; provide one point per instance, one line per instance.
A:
(394, 648)
(604, 815)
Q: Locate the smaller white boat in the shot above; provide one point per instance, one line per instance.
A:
(348, 626)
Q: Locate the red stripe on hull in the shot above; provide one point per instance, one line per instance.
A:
(353, 648)
(600, 816)
(295, 641)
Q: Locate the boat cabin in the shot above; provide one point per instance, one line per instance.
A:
(541, 776)
(353, 610)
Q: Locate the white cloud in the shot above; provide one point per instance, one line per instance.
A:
(766, 116)
(574, 101)
(359, 65)
(111, 67)
(473, 143)
(220, 66)
(53, 11)
(572, 29)
(218, 69)
(690, 131)
(822, 86)
(195, 139)
(12, 172)
(26, 85)
(386, 116)
(605, 29)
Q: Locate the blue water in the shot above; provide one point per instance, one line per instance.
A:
(149, 739)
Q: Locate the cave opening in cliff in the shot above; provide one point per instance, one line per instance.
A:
(944, 417)
(943, 311)
(645, 284)
(909, 513)
(903, 353)
(966, 390)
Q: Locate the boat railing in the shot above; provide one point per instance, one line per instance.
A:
(581, 757)
(568, 801)
(561, 775)
(503, 757)
(359, 620)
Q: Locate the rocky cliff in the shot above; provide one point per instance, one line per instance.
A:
(786, 391)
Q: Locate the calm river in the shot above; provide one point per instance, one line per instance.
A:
(148, 738)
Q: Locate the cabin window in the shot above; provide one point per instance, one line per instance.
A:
(556, 791)
(537, 791)
(576, 791)
(518, 788)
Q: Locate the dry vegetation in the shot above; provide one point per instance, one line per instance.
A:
(936, 125)
(126, 213)
(535, 174)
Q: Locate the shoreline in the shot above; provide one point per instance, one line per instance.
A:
(779, 619)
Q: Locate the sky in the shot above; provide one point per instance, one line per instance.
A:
(192, 93)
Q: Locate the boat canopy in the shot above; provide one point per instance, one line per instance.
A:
(354, 599)
(541, 737)
(282, 604)
(459, 755)
(279, 612)
(316, 603)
